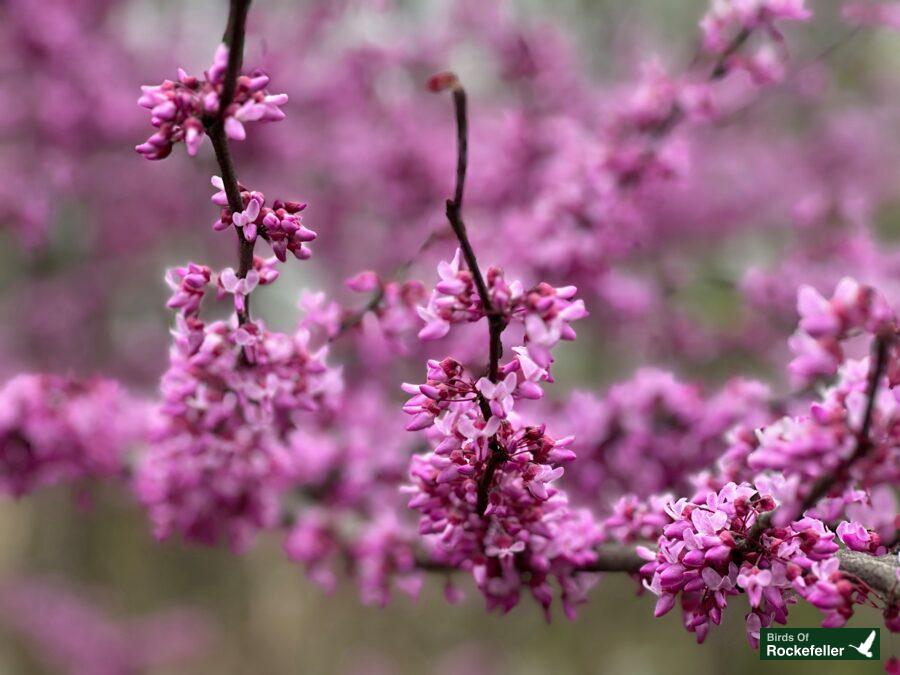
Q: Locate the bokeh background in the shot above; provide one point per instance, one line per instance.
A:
(88, 229)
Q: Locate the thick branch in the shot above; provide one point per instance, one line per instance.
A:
(614, 557)
(611, 557)
(878, 572)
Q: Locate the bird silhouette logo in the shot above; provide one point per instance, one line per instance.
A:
(865, 648)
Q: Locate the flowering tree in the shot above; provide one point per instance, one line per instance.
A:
(698, 496)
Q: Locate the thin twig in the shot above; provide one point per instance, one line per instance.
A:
(356, 317)
(880, 350)
(215, 129)
(720, 69)
(496, 321)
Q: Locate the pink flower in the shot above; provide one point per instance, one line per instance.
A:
(281, 225)
(499, 396)
(754, 580)
(60, 429)
(246, 219)
(858, 538)
(536, 481)
(727, 17)
(179, 109)
(188, 285)
(363, 282)
(239, 287)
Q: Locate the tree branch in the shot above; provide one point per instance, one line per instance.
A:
(215, 129)
(355, 318)
(880, 351)
(878, 572)
(720, 69)
(496, 322)
(614, 557)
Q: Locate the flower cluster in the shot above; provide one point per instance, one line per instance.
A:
(188, 285)
(280, 224)
(384, 559)
(710, 550)
(455, 298)
(391, 315)
(55, 429)
(527, 534)
(636, 520)
(806, 448)
(343, 511)
(450, 388)
(729, 24)
(379, 555)
(825, 323)
(181, 109)
(487, 490)
(231, 395)
(545, 311)
(648, 434)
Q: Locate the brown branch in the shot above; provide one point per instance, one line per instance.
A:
(880, 351)
(215, 129)
(611, 557)
(462, 143)
(879, 573)
(496, 321)
(614, 557)
(721, 68)
(235, 31)
(355, 318)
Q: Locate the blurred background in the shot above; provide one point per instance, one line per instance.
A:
(87, 229)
